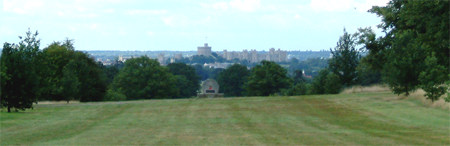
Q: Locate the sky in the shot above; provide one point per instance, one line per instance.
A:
(182, 25)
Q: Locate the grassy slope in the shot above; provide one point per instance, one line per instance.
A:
(344, 119)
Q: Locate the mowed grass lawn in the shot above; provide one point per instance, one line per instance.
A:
(344, 119)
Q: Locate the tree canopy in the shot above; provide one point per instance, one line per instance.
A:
(414, 53)
(144, 78)
(267, 79)
(345, 59)
(188, 82)
(232, 80)
(20, 81)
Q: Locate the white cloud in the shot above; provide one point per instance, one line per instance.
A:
(150, 33)
(183, 21)
(146, 12)
(22, 6)
(241, 5)
(331, 5)
(345, 5)
(245, 5)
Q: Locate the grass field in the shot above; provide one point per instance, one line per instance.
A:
(377, 118)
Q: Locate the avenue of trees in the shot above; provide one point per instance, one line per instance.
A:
(413, 53)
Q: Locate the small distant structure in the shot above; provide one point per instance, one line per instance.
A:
(178, 56)
(161, 59)
(124, 58)
(210, 89)
(204, 50)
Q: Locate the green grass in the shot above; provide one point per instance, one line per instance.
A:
(344, 119)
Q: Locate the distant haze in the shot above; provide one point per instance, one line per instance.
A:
(182, 25)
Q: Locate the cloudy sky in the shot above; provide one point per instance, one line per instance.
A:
(151, 25)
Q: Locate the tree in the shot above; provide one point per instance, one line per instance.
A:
(70, 74)
(92, 79)
(431, 79)
(332, 84)
(20, 81)
(345, 59)
(188, 81)
(267, 79)
(367, 75)
(415, 30)
(144, 78)
(317, 85)
(300, 88)
(326, 83)
(232, 80)
(69, 84)
(56, 56)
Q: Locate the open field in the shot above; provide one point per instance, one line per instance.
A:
(376, 118)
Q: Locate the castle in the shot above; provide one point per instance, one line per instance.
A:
(253, 56)
(204, 50)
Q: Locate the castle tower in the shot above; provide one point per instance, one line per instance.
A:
(205, 50)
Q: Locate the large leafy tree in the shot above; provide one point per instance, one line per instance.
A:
(93, 81)
(232, 80)
(144, 78)
(188, 81)
(69, 84)
(345, 59)
(55, 57)
(266, 79)
(71, 74)
(20, 80)
(414, 52)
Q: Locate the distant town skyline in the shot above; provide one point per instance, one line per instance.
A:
(183, 25)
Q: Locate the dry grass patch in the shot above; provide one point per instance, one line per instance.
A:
(361, 89)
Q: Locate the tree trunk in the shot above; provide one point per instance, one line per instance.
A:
(9, 109)
(67, 101)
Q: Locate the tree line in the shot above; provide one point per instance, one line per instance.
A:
(413, 53)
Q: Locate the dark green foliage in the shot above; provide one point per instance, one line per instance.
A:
(144, 78)
(69, 84)
(311, 66)
(317, 85)
(345, 59)
(110, 71)
(432, 79)
(92, 78)
(69, 74)
(326, 83)
(366, 75)
(300, 88)
(332, 84)
(56, 57)
(401, 71)
(20, 80)
(414, 31)
(202, 73)
(298, 77)
(267, 79)
(200, 59)
(206, 72)
(188, 82)
(112, 95)
(232, 80)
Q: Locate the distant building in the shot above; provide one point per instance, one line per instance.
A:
(253, 56)
(124, 58)
(161, 59)
(178, 56)
(205, 50)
